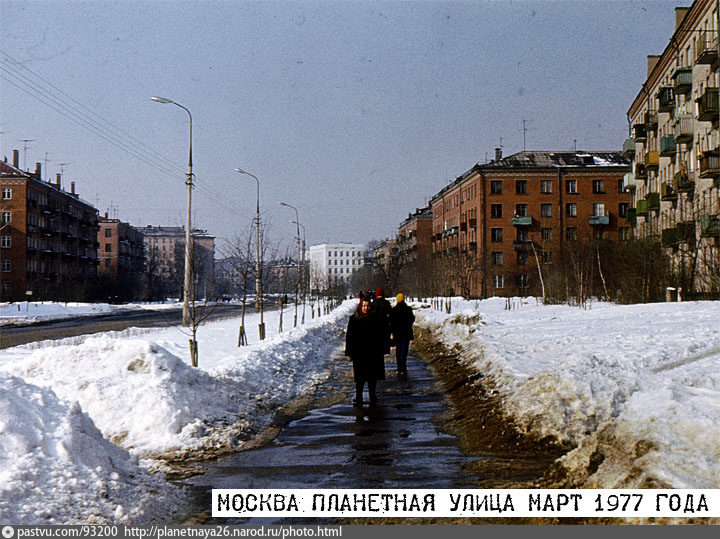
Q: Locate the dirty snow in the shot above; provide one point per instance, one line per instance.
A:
(636, 387)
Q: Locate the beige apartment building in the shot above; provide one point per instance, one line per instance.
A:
(674, 147)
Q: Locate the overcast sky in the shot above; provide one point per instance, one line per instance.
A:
(354, 112)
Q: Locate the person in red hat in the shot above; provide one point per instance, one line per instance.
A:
(364, 345)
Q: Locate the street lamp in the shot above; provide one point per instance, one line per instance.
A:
(297, 288)
(258, 265)
(304, 288)
(188, 292)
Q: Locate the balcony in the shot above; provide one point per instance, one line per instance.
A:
(641, 173)
(707, 49)
(651, 119)
(667, 146)
(522, 221)
(666, 100)
(597, 220)
(629, 147)
(684, 128)
(522, 245)
(642, 207)
(652, 160)
(682, 80)
(631, 215)
(666, 192)
(708, 106)
(682, 182)
(629, 181)
(710, 226)
(686, 232)
(639, 132)
(653, 201)
(710, 164)
(670, 237)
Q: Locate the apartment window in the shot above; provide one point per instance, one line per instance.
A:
(547, 257)
(571, 233)
(5, 241)
(496, 211)
(598, 233)
(571, 186)
(520, 187)
(571, 209)
(522, 233)
(108, 247)
(621, 186)
(498, 281)
(523, 280)
(624, 232)
(496, 187)
(496, 234)
(598, 209)
(6, 288)
(545, 210)
(497, 258)
(521, 210)
(6, 193)
(623, 208)
(6, 217)
(598, 186)
(546, 186)
(546, 234)
(522, 258)
(108, 233)
(6, 266)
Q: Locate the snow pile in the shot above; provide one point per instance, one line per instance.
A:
(142, 394)
(636, 388)
(56, 467)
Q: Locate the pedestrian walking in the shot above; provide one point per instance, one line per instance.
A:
(364, 345)
(401, 325)
(382, 307)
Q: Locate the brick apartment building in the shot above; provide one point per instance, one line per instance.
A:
(48, 238)
(414, 237)
(165, 256)
(495, 219)
(675, 148)
(122, 258)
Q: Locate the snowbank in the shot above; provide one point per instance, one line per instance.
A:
(24, 312)
(636, 388)
(56, 467)
(76, 414)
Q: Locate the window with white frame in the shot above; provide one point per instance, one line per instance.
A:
(6, 266)
(545, 210)
(5, 242)
(6, 217)
(546, 186)
(571, 209)
(598, 209)
(6, 193)
(498, 281)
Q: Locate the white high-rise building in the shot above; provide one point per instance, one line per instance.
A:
(332, 263)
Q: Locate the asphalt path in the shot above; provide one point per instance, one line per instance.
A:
(14, 335)
(402, 442)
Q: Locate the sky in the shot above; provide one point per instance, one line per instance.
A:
(356, 113)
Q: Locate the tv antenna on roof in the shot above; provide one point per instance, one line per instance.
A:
(25, 142)
(62, 167)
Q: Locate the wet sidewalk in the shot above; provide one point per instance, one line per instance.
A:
(398, 443)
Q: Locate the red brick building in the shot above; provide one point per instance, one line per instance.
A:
(497, 222)
(48, 238)
(122, 258)
(414, 239)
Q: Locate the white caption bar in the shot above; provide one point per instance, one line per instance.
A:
(465, 503)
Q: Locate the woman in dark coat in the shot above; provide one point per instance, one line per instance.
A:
(364, 345)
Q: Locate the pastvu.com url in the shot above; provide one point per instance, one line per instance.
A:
(161, 532)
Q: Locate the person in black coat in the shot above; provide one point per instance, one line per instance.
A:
(401, 324)
(364, 345)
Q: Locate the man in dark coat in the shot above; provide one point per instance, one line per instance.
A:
(401, 324)
(364, 345)
(382, 307)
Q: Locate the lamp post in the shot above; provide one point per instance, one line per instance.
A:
(297, 287)
(304, 281)
(258, 264)
(188, 292)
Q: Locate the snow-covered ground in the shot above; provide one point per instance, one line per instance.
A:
(82, 418)
(636, 388)
(35, 311)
